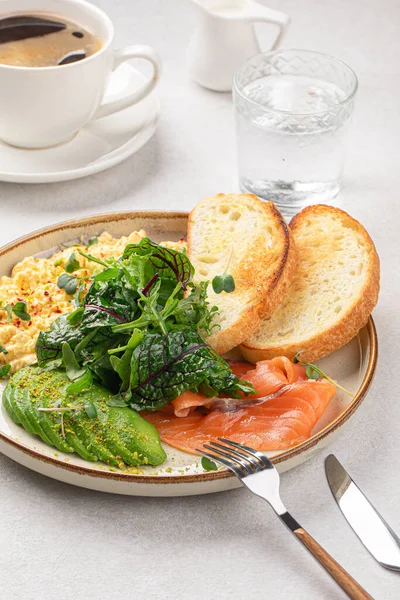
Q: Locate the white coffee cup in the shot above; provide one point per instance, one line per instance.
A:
(44, 106)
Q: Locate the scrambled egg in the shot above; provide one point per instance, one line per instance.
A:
(34, 281)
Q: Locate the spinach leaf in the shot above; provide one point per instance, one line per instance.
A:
(93, 241)
(165, 366)
(3, 350)
(167, 262)
(80, 384)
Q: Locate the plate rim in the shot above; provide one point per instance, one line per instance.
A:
(198, 477)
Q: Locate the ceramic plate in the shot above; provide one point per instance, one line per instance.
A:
(100, 145)
(353, 365)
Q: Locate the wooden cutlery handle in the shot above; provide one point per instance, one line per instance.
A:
(346, 582)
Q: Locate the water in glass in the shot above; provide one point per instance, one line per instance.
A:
(292, 136)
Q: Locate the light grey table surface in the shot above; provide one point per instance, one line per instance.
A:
(62, 542)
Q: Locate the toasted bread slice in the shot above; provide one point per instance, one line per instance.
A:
(332, 295)
(256, 239)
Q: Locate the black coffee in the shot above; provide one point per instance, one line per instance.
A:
(44, 40)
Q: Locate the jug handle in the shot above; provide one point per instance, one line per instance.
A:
(260, 13)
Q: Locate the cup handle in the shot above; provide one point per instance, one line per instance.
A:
(120, 56)
(260, 13)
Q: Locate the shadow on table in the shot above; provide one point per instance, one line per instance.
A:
(103, 188)
(235, 521)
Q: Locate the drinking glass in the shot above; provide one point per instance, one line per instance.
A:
(292, 111)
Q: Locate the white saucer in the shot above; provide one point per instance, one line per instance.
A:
(98, 146)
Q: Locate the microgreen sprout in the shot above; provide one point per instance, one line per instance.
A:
(19, 310)
(224, 282)
(68, 283)
(72, 264)
(314, 372)
(208, 465)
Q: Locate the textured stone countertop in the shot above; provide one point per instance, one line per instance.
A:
(62, 542)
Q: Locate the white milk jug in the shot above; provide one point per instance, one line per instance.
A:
(225, 37)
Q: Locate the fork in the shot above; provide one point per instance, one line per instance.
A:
(258, 473)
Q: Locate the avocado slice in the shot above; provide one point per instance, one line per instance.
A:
(83, 433)
(8, 405)
(136, 434)
(17, 408)
(117, 436)
(32, 415)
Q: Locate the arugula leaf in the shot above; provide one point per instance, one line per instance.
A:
(107, 274)
(166, 262)
(72, 367)
(4, 370)
(92, 258)
(78, 294)
(165, 366)
(80, 384)
(122, 365)
(208, 465)
(72, 264)
(3, 350)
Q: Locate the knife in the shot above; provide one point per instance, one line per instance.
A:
(376, 535)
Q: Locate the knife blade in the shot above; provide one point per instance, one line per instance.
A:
(376, 535)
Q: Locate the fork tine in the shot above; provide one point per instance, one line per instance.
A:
(254, 453)
(255, 463)
(243, 465)
(237, 470)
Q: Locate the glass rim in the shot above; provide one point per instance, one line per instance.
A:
(271, 53)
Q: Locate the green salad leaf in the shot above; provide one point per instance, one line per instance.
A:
(19, 310)
(72, 264)
(208, 465)
(68, 283)
(165, 261)
(139, 331)
(164, 366)
(4, 370)
(314, 372)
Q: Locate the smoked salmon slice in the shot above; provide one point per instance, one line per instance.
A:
(278, 423)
